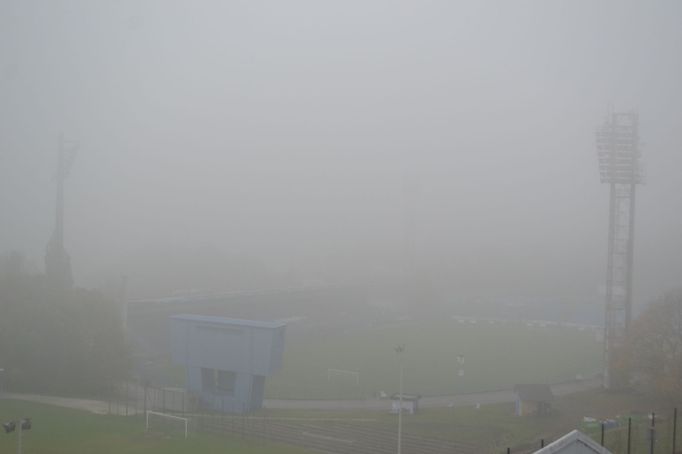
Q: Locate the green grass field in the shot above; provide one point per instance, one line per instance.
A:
(492, 427)
(495, 356)
(63, 431)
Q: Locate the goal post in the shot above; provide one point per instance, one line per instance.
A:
(171, 418)
(347, 374)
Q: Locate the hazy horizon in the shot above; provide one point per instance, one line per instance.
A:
(278, 138)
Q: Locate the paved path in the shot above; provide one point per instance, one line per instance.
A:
(93, 406)
(459, 400)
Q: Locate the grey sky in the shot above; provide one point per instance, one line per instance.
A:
(284, 131)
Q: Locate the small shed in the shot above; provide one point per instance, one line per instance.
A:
(574, 442)
(410, 403)
(533, 399)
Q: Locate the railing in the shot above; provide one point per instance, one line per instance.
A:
(651, 433)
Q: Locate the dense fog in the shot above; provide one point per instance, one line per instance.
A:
(241, 145)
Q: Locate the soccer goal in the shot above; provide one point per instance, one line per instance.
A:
(342, 375)
(165, 423)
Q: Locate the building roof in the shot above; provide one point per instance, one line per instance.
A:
(534, 392)
(574, 442)
(228, 321)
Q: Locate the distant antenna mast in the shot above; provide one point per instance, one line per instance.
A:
(411, 194)
(57, 262)
(619, 166)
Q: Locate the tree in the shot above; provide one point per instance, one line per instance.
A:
(653, 353)
(71, 343)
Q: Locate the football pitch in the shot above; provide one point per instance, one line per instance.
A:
(440, 358)
(65, 431)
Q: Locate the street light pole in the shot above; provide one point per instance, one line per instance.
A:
(399, 349)
(400, 409)
(19, 437)
(19, 426)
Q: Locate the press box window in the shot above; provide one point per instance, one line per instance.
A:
(225, 382)
(207, 379)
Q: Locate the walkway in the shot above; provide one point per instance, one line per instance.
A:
(459, 400)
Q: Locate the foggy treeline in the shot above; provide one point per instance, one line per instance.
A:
(67, 341)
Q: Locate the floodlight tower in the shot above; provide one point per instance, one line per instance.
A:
(57, 262)
(619, 166)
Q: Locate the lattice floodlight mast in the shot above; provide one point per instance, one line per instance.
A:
(619, 166)
(57, 262)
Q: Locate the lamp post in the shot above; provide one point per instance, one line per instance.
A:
(400, 349)
(20, 426)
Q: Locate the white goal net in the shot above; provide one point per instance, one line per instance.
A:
(169, 425)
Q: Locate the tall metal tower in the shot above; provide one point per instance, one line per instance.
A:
(619, 166)
(57, 261)
(411, 195)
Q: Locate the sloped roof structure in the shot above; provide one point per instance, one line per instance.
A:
(574, 442)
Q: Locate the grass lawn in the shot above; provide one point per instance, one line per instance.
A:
(491, 427)
(64, 431)
(495, 356)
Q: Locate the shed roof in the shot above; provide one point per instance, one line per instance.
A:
(574, 442)
(534, 392)
(228, 321)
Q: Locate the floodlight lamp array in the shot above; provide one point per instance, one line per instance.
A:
(618, 150)
(11, 426)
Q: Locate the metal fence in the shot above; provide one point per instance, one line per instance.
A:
(130, 398)
(651, 433)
